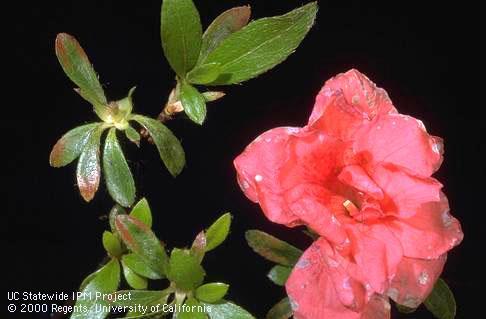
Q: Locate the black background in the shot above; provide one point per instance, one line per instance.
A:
(419, 52)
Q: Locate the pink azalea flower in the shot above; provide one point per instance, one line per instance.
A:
(359, 175)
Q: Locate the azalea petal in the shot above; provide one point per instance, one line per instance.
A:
(415, 280)
(311, 290)
(404, 193)
(400, 140)
(346, 102)
(429, 233)
(259, 167)
(273, 169)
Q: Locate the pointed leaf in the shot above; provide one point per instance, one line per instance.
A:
(212, 292)
(218, 231)
(198, 248)
(193, 102)
(88, 171)
(77, 67)
(181, 34)
(204, 74)
(273, 248)
(261, 45)
(211, 96)
(139, 266)
(119, 179)
(441, 302)
(111, 244)
(143, 242)
(196, 310)
(185, 270)
(226, 309)
(133, 135)
(225, 24)
(70, 145)
(135, 281)
(281, 310)
(142, 212)
(279, 274)
(106, 281)
(169, 147)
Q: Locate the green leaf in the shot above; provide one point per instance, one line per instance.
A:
(77, 67)
(261, 45)
(218, 231)
(212, 292)
(138, 298)
(142, 212)
(143, 242)
(112, 244)
(211, 96)
(273, 248)
(133, 279)
(181, 33)
(119, 179)
(197, 310)
(279, 274)
(70, 145)
(169, 147)
(282, 310)
(441, 302)
(226, 309)
(185, 270)
(204, 74)
(106, 281)
(193, 102)
(132, 135)
(88, 171)
(198, 248)
(225, 24)
(139, 266)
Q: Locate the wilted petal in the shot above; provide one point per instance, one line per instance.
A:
(429, 233)
(400, 140)
(377, 308)
(415, 279)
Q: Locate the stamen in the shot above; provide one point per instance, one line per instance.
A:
(350, 207)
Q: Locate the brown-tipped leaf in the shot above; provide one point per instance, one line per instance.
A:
(225, 24)
(78, 68)
(70, 145)
(142, 242)
(88, 171)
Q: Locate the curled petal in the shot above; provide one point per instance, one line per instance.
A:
(400, 140)
(404, 193)
(415, 280)
(346, 102)
(429, 233)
